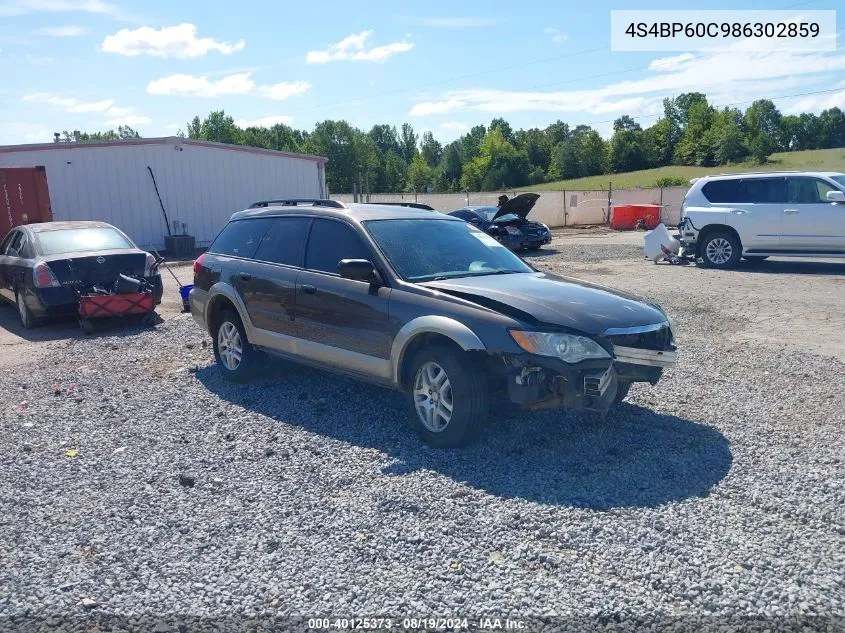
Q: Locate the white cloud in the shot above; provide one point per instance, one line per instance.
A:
(555, 34)
(23, 7)
(454, 125)
(354, 48)
(178, 41)
(39, 60)
(459, 23)
(235, 84)
(133, 119)
(117, 115)
(201, 86)
(265, 121)
(284, 90)
(816, 103)
(12, 133)
(729, 77)
(666, 64)
(68, 30)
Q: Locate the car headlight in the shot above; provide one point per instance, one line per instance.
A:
(570, 348)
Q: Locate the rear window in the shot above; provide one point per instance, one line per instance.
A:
(81, 240)
(746, 190)
(240, 238)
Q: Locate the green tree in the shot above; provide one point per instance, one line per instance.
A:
(726, 138)
(762, 126)
(337, 141)
(452, 161)
(592, 153)
(627, 151)
(431, 149)
(395, 172)
(419, 174)
(832, 128)
(408, 142)
(471, 143)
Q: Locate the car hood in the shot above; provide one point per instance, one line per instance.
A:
(553, 300)
(520, 205)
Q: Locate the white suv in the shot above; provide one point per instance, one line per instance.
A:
(754, 216)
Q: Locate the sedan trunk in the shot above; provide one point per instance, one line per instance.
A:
(99, 268)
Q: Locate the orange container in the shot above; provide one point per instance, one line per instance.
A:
(626, 216)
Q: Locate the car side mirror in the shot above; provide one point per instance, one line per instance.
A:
(835, 196)
(359, 270)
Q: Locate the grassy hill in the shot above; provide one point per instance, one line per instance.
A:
(810, 160)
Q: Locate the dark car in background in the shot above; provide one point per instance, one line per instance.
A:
(424, 303)
(508, 223)
(43, 265)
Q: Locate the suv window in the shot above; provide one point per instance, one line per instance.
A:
(331, 241)
(807, 190)
(284, 242)
(745, 190)
(240, 238)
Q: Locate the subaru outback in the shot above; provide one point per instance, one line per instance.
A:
(424, 303)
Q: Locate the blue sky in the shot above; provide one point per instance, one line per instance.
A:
(442, 66)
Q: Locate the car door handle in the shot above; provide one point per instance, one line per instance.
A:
(245, 276)
(308, 289)
(790, 211)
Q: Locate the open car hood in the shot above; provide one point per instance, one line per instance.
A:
(520, 205)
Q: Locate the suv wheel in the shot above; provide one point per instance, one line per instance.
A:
(721, 249)
(24, 313)
(449, 396)
(235, 357)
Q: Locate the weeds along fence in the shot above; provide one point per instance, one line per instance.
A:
(576, 207)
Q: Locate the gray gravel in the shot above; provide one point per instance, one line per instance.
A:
(136, 479)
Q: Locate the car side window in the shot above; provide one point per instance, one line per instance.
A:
(24, 248)
(762, 190)
(721, 191)
(240, 238)
(7, 242)
(284, 242)
(464, 215)
(807, 190)
(330, 242)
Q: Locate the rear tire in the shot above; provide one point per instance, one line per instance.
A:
(448, 396)
(237, 360)
(24, 313)
(721, 249)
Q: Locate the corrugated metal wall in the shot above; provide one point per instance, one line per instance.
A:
(199, 185)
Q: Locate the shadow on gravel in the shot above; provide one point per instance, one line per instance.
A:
(633, 457)
(68, 328)
(536, 253)
(792, 267)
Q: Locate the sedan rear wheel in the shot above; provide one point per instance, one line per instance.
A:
(24, 313)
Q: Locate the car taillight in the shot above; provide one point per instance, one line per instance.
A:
(198, 264)
(43, 277)
(149, 265)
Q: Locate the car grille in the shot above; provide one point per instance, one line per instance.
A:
(657, 339)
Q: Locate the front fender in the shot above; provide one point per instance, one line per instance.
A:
(431, 324)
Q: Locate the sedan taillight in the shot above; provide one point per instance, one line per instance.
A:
(43, 277)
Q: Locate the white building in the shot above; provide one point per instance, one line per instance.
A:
(201, 183)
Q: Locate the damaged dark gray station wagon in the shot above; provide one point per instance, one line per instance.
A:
(421, 302)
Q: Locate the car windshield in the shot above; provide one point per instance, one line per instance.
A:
(424, 250)
(490, 212)
(76, 240)
(839, 179)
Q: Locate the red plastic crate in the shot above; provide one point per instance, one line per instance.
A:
(100, 306)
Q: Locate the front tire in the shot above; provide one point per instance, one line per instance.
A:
(448, 396)
(24, 313)
(721, 249)
(236, 358)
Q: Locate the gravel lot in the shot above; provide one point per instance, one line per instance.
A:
(135, 479)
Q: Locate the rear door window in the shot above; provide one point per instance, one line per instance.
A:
(7, 243)
(284, 242)
(331, 241)
(241, 238)
(762, 190)
(807, 190)
(12, 248)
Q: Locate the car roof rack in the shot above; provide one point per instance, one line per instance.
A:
(410, 205)
(298, 202)
(759, 173)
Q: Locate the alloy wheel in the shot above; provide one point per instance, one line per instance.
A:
(433, 397)
(230, 345)
(719, 250)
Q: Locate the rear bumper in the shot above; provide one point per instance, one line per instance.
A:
(198, 300)
(45, 303)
